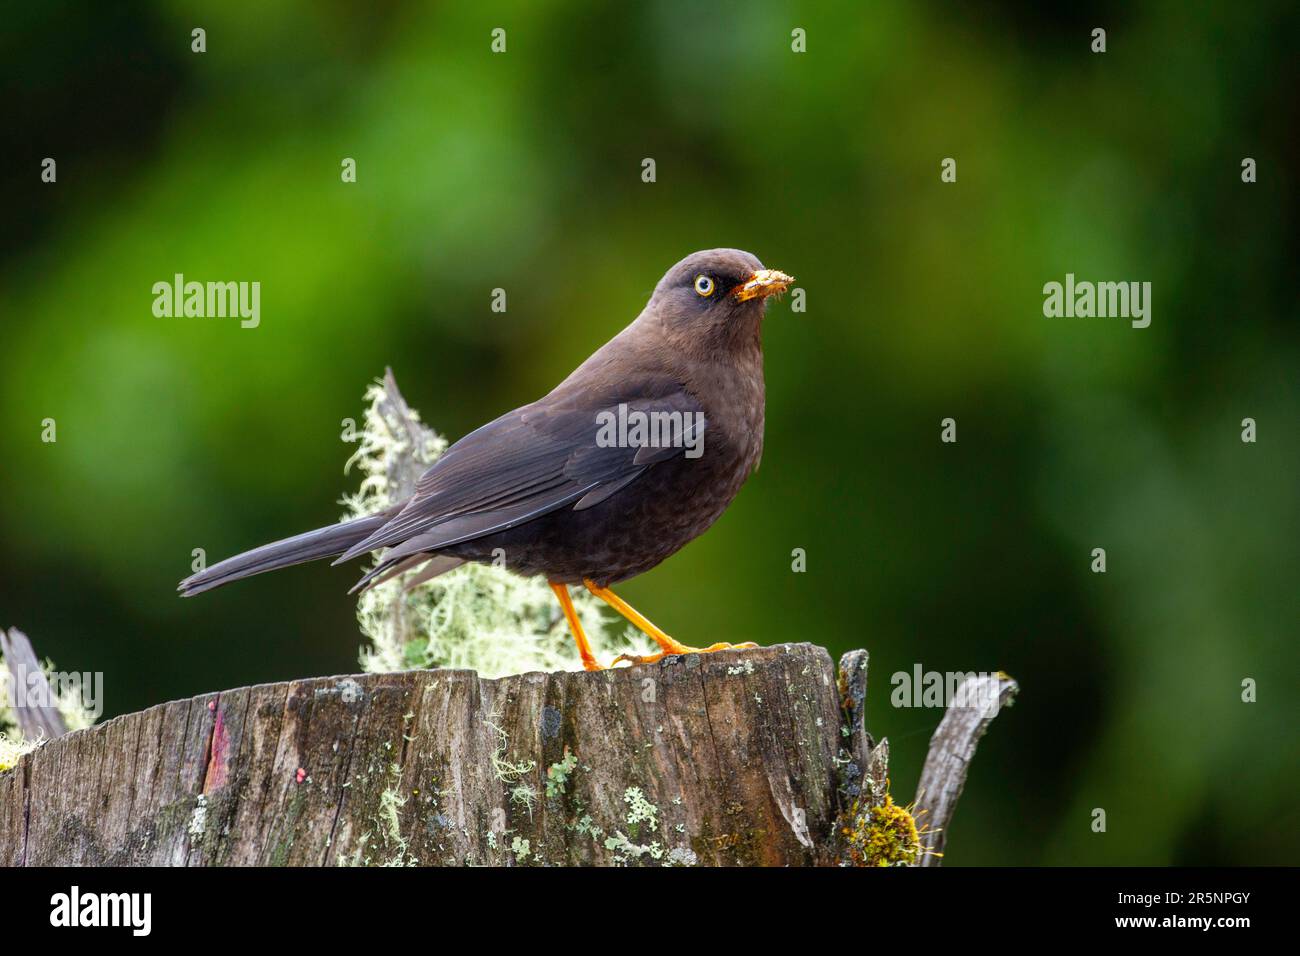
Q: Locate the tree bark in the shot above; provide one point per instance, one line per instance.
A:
(725, 758)
(758, 757)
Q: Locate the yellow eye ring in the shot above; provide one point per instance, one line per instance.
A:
(703, 286)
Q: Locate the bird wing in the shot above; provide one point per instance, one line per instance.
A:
(525, 464)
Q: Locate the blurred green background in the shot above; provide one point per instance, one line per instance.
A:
(924, 301)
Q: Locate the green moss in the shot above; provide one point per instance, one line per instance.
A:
(882, 835)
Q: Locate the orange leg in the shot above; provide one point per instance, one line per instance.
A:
(584, 649)
(667, 644)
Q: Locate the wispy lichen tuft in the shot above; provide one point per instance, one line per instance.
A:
(480, 617)
(66, 699)
(13, 748)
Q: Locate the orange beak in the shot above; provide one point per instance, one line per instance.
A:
(761, 284)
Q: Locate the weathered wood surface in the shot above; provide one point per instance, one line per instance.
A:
(725, 758)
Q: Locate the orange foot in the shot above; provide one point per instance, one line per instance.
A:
(673, 647)
(668, 646)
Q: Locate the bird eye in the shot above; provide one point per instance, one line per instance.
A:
(704, 286)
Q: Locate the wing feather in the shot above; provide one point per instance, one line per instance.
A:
(525, 464)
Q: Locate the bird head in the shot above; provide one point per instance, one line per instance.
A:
(718, 295)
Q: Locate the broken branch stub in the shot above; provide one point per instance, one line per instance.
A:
(952, 747)
(33, 698)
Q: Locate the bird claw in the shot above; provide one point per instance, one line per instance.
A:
(677, 649)
(635, 659)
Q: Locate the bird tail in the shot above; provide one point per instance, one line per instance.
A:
(321, 543)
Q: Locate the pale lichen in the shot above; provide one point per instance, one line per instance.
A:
(625, 850)
(199, 818)
(384, 819)
(13, 748)
(524, 795)
(557, 774)
(390, 804)
(681, 856)
(64, 695)
(640, 810)
(481, 617)
(507, 771)
(585, 826)
(520, 848)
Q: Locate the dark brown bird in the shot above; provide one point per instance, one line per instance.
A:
(633, 455)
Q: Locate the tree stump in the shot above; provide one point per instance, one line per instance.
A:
(731, 758)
